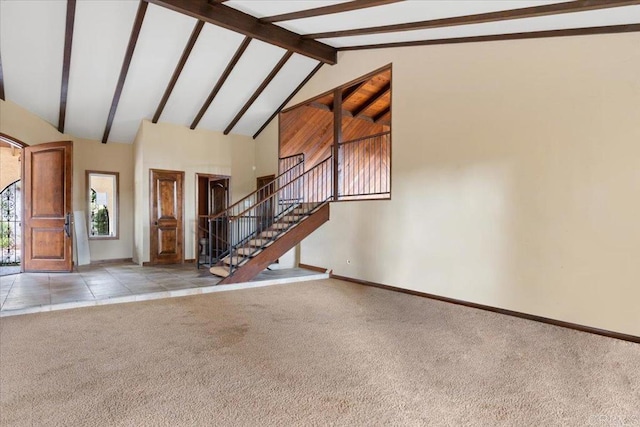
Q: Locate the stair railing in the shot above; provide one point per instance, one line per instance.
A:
(216, 234)
(364, 167)
(261, 224)
(289, 162)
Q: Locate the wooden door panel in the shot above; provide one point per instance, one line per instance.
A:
(47, 207)
(167, 239)
(167, 206)
(47, 244)
(45, 173)
(166, 212)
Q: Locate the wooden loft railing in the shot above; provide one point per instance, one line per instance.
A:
(364, 170)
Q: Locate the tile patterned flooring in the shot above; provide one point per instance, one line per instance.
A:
(112, 283)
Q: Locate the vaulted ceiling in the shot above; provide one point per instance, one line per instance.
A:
(96, 68)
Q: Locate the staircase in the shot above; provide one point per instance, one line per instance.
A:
(257, 230)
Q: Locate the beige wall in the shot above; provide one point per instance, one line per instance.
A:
(166, 146)
(10, 166)
(111, 157)
(30, 129)
(516, 178)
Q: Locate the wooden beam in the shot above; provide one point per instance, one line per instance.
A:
(350, 83)
(369, 102)
(613, 29)
(381, 114)
(223, 78)
(240, 22)
(289, 98)
(328, 108)
(327, 10)
(176, 73)
(1, 81)
(258, 91)
(502, 15)
(66, 62)
(348, 93)
(126, 62)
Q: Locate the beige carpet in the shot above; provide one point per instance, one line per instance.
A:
(314, 353)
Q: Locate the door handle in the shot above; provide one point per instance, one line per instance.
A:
(67, 224)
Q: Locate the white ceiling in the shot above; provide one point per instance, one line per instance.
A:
(32, 43)
(595, 18)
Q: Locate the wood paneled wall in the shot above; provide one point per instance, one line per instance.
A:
(309, 130)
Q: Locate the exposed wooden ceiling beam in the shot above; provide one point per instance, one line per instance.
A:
(327, 10)
(613, 29)
(381, 114)
(502, 15)
(235, 20)
(126, 62)
(223, 78)
(348, 93)
(1, 80)
(289, 98)
(258, 91)
(176, 73)
(66, 62)
(374, 98)
(329, 108)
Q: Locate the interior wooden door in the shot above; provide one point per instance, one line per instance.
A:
(266, 209)
(166, 209)
(219, 195)
(47, 207)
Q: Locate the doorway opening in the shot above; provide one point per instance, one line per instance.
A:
(212, 198)
(10, 205)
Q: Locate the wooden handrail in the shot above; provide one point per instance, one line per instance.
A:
(375, 135)
(293, 155)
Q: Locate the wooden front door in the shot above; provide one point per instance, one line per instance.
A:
(47, 207)
(166, 209)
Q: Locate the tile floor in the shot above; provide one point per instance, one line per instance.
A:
(122, 282)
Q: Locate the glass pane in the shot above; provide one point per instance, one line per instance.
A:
(103, 208)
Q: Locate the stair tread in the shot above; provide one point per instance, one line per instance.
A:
(260, 242)
(237, 260)
(268, 234)
(280, 225)
(249, 252)
(219, 271)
